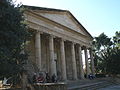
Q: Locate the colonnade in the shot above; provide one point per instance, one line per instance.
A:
(63, 59)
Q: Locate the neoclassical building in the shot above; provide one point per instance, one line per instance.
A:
(57, 44)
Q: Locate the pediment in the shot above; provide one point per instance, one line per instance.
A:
(64, 19)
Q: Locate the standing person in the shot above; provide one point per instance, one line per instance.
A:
(54, 78)
(34, 78)
(47, 78)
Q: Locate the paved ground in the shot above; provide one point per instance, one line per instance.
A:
(115, 87)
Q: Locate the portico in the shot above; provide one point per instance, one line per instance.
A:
(57, 43)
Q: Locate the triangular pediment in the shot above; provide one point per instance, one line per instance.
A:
(62, 17)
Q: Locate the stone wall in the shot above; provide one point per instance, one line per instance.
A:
(51, 86)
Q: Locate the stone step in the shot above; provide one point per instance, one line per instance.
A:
(86, 85)
(82, 82)
(96, 86)
(92, 86)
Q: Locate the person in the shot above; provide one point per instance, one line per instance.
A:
(47, 78)
(54, 78)
(91, 76)
(34, 78)
(40, 78)
(59, 76)
(5, 81)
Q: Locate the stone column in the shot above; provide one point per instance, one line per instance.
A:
(92, 62)
(81, 63)
(63, 66)
(87, 63)
(52, 60)
(74, 61)
(38, 50)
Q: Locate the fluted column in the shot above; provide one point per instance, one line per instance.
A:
(38, 50)
(62, 53)
(92, 62)
(81, 63)
(52, 61)
(74, 62)
(87, 63)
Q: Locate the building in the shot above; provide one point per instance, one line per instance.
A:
(57, 43)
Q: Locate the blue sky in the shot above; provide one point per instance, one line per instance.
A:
(96, 16)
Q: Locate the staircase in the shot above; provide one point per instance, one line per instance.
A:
(90, 84)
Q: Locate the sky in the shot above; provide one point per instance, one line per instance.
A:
(97, 16)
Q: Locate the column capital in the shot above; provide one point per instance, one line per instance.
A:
(62, 39)
(85, 47)
(37, 31)
(90, 48)
(73, 43)
(80, 44)
(52, 36)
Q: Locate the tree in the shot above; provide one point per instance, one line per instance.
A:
(100, 43)
(116, 39)
(112, 58)
(13, 35)
(107, 54)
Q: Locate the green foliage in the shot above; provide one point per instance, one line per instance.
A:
(107, 54)
(116, 39)
(13, 35)
(102, 41)
(113, 61)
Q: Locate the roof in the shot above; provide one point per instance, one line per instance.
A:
(58, 10)
(43, 8)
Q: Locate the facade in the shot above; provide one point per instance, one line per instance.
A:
(58, 42)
